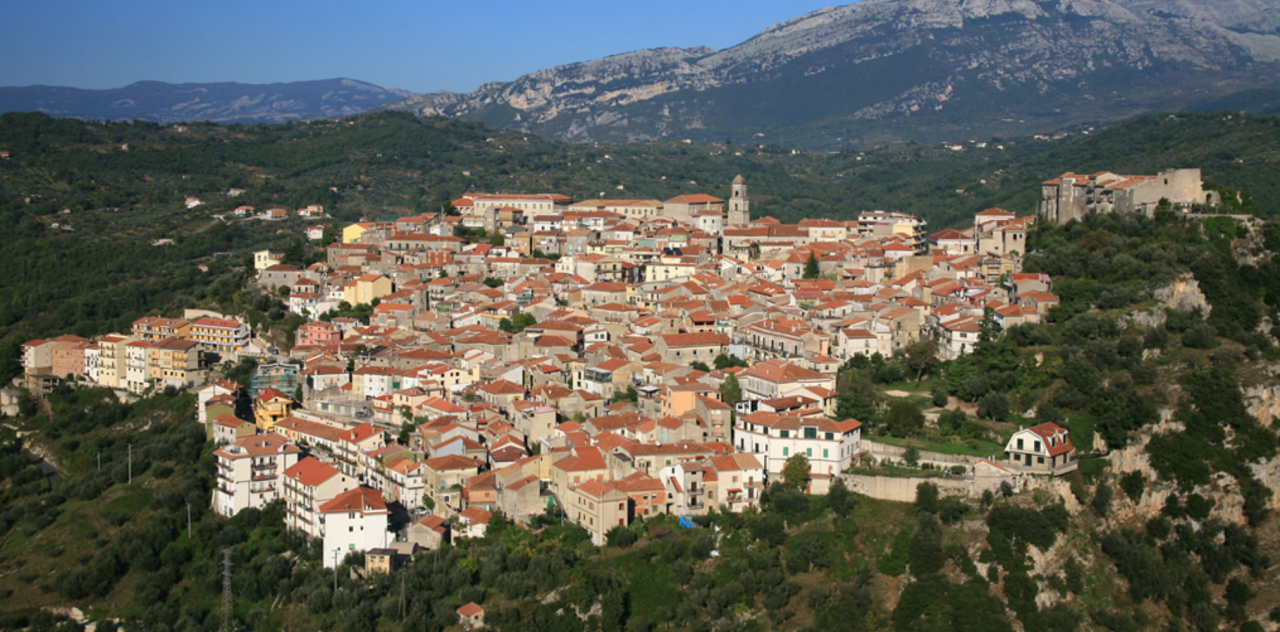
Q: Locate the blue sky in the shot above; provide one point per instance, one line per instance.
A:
(420, 46)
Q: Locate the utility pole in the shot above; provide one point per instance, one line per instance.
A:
(402, 596)
(336, 551)
(227, 613)
(188, 520)
(99, 461)
(130, 463)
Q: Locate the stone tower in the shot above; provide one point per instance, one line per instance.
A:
(739, 206)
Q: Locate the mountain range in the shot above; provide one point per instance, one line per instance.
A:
(219, 102)
(867, 73)
(885, 70)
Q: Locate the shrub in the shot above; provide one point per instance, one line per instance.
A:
(620, 537)
(994, 406)
(927, 498)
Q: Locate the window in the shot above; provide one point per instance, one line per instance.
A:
(1019, 444)
(1037, 446)
(824, 453)
(808, 452)
(831, 436)
(1040, 460)
(786, 451)
(786, 434)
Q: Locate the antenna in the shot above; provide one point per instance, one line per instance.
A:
(228, 615)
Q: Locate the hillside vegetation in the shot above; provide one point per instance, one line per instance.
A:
(1168, 524)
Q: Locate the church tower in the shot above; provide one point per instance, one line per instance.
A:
(739, 207)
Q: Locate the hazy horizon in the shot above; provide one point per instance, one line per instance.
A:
(392, 44)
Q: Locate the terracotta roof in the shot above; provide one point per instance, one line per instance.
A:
(470, 610)
(311, 472)
(361, 499)
(474, 515)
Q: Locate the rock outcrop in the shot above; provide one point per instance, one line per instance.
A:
(944, 64)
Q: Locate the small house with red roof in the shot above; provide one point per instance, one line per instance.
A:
(471, 616)
(1042, 449)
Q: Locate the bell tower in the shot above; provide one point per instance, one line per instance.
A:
(739, 206)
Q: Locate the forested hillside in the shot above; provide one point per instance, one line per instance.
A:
(1168, 523)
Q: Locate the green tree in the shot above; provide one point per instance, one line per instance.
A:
(725, 361)
(770, 528)
(730, 390)
(904, 418)
(811, 268)
(925, 556)
(922, 356)
(517, 323)
(839, 498)
(927, 498)
(699, 365)
(629, 394)
(855, 396)
(620, 537)
(795, 472)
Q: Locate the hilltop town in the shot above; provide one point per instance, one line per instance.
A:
(604, 360)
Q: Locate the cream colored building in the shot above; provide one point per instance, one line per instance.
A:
(363, 289)
(112, 367)
(598, 507)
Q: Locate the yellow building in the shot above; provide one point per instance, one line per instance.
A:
(221, 335)
(174, 362)
(270, 408)
(153, 328)
(365, 288)
(353, 233)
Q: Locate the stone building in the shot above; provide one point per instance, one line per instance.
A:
(1074, 196)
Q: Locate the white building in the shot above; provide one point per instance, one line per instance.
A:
(92, 361)
(308, 484)
(136, 366)
(830, 446)
(248, 472)
(355, 521)
(1042, 449)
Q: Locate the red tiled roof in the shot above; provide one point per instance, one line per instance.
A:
(311, 472)
(360, 499)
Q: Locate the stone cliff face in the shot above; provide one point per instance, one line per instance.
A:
(960, 63)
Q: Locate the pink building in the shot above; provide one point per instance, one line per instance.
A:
(319, 334)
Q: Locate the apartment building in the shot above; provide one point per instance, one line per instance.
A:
(248, 472)
(223, 336)
(308, 484)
